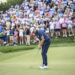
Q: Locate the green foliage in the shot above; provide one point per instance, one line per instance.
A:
(6, 6)
(28, 0)
(15, 48)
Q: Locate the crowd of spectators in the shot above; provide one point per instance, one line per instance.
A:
(55, 17)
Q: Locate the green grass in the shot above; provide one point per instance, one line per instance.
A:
(61, 61)
(67, 44)
(62, 40)
(6, 49)
(55, 42)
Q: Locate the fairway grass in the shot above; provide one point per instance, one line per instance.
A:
(61, 61)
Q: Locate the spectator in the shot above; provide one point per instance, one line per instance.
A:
(52, 25)
(70, 27)
(1, 29)
(11, 36)
(64, 27)
(28, 36)
(57, 28)
(73, 1)
(1, 38)
(74, 28)
(21, 35)
(8, 36)
(16, 36)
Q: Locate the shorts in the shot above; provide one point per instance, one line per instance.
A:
(16, 37)
(1, 35)
(57, 30)
(69, 26)
(32, 34)
(47, 31)
(21, 35)
(64, 27)
(51, 30)
(8, 37)
(11, 38)
(73, 26)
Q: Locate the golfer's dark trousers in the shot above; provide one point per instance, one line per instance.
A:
(44, 51)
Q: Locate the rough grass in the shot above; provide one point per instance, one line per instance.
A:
(6, 49)
(55, 42)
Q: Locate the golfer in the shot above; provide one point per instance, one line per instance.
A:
(44, 43)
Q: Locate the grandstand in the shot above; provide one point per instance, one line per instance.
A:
(55, 17)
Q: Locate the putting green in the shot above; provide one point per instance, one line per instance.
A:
(61, 61)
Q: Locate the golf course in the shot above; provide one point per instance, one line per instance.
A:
(61, 61)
